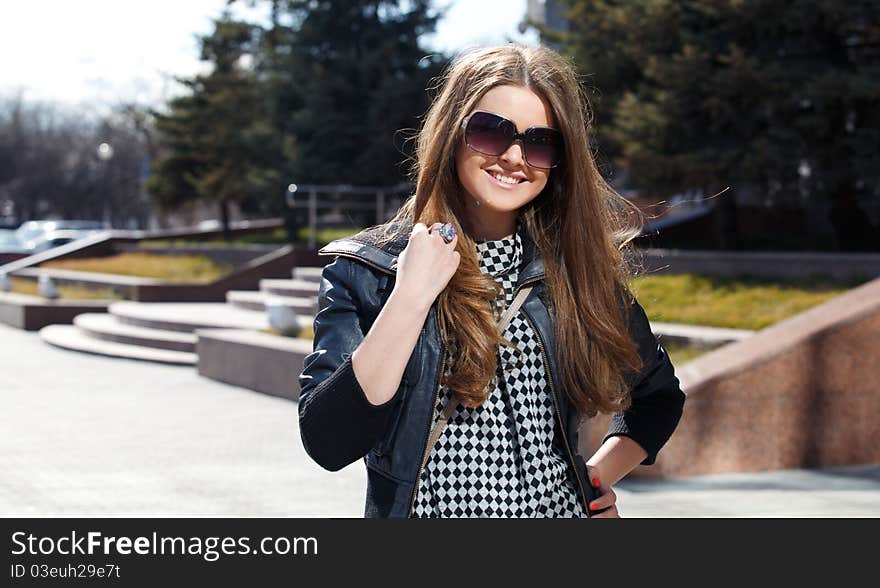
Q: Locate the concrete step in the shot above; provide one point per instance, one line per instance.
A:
(263, 362)
(294, 288)
(311, 274)
(247, 299)
(72, 338)
(108, 328)
(188, 316)
(253, 300)
(698, 336)
(78, 276)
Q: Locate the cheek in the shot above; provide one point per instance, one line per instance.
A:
(539, 183)
(460, 168)
(467, 167)
(459, 163)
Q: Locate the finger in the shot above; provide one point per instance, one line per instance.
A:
(417, 228)
(607, 498)
(593, 474)
(454, 240)
(599, 487)
(611, 513)
(436, 230)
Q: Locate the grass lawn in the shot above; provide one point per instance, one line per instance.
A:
(742, 303)
(324, 236)
(274, 237)
(681, 354)
(27, 286)
(307, 333)
(171, 268)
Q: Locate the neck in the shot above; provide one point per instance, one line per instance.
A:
(491, 226)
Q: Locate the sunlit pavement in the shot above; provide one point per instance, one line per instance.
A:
(84, 435)
(831, 492)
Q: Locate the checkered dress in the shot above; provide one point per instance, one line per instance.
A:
(504, 458)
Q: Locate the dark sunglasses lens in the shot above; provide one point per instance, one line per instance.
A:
(488, 133)
(543, 147)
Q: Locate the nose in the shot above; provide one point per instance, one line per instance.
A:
(514, 154)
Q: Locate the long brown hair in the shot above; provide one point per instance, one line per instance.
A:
(578, 223)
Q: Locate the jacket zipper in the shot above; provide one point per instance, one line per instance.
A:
(412, 500)
(436, 387)
(559, 414)
(434, 404)
(440, 374)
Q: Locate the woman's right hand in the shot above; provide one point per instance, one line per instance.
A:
(426, 265)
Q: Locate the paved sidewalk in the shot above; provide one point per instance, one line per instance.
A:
(84, 435)
(831, 492)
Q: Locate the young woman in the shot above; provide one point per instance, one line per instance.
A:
(456, 412)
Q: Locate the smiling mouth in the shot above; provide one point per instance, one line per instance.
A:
(506, 180)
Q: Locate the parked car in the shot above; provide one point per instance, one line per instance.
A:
(9, 243)
(7, 238)
(54, 238)
(40, 235)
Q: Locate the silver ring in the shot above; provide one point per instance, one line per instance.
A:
(447, 231)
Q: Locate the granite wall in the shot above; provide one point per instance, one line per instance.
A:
(803, 393)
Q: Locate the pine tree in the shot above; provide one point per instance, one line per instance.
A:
(777, 95)
(358, 77)
(332, 91)
(217, 138)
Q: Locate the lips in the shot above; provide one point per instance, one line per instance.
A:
(502, 183)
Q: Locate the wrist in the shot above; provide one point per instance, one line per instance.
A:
(411, 301)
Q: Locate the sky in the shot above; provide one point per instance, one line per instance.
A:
(95, 53)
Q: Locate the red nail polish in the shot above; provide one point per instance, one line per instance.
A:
(592, 506)
(596, 482)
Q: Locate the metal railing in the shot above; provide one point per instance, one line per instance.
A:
(339, 197)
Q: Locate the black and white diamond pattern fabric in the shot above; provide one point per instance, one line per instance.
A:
(502, 459)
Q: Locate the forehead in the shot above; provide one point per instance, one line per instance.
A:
(519, 104)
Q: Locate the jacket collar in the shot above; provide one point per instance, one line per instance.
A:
(366, 247)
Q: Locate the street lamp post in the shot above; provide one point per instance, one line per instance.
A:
(105, 154)
(291, 217)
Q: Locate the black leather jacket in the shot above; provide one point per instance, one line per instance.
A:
(339, 425)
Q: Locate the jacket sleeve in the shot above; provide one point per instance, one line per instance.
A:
(657, 397)
(337, 422)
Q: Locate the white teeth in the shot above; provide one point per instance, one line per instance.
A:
(505, 179)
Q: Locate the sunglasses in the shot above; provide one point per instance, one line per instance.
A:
(491, 134)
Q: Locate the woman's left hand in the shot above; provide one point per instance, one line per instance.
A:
(607, 498)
